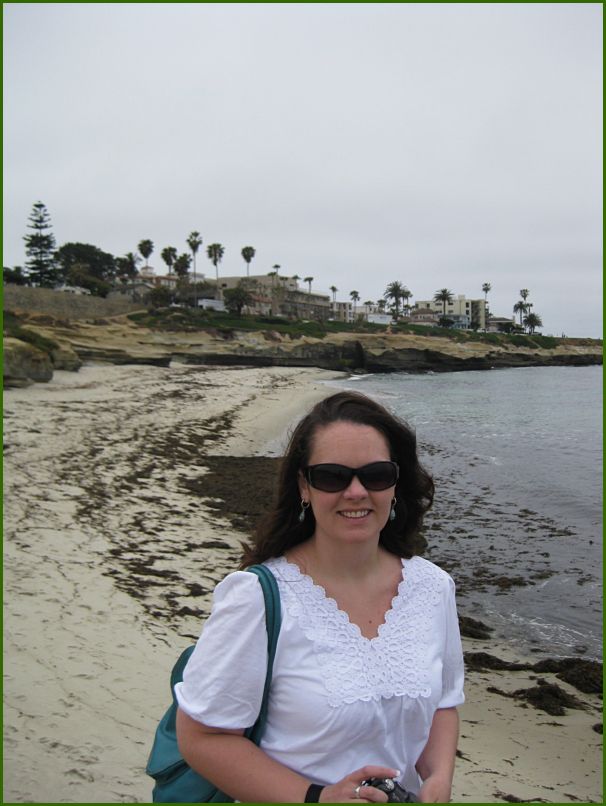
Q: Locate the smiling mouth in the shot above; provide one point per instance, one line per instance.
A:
(355, 514)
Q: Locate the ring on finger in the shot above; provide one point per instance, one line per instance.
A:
(357, 791)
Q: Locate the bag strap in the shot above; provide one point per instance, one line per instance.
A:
(273, 618)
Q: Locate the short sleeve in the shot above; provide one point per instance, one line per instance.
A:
(453, 670)
(224, 678)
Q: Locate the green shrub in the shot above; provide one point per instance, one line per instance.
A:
(520, 341)
(547, 342)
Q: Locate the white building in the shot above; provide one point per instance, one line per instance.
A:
(500, 324)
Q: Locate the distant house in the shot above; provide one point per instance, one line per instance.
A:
(147, 275)
(500, 324)
(166, 281)
(280, 296)
(424, 316)
(137, 291)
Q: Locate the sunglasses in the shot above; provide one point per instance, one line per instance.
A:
(335, 478)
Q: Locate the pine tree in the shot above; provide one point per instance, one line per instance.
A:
(40, 249)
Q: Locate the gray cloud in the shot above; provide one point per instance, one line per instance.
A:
(437, 144)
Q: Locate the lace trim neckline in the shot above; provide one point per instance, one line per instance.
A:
(320, 595)
(393, 663)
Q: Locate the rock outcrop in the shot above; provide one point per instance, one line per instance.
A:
(24, 364)
(121, 341)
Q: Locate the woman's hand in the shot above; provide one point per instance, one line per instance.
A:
(349, 789)
(435, 789)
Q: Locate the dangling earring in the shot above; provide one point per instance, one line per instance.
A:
(392, 514)
(304, 508)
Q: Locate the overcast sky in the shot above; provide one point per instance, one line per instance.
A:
(441, 145)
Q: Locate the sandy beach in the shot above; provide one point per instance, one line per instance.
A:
(126, 498)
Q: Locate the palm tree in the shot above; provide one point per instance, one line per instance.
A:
(194, 241)
(443, 296)
(334, 290)
(381, 305)
(406, 295)
(309, 281)
(355, 298)
(215, 254)
(146, 247)
(486, 288)
(169, 255)
(248, 253)
(520, 307)
(395, 291)
(127, 267)
(532, 321)
(524, 293)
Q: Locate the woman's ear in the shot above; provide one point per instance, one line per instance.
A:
(303, 486)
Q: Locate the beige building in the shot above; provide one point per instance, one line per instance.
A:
(146, 274)
(423, 316)
(281, 296)
(341, 311)
(462, 310)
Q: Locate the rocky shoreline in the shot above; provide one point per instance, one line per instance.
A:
(118, 340)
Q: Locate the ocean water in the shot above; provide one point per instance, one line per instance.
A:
(516, 455)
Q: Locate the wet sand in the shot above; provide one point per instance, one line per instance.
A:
(127, 493)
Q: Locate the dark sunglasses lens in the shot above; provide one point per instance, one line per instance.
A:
(379, 475)
(334, 478)
(330, 478)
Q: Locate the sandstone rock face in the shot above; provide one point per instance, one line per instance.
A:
(121, 341)
(65, 358)
(24, 363)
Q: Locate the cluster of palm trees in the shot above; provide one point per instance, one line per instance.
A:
(180, 264)
(398, 293)
(528, 319)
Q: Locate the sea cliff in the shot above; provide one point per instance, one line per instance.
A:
(119, 340)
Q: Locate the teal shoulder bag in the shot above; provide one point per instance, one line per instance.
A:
(176, 782)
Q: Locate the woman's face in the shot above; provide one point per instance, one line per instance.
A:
(354, 514)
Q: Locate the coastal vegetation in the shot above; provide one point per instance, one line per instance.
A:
(187, 319)
(87, 267)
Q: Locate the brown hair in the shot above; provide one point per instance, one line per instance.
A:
(281, 529)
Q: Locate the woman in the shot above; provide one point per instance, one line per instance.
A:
(368, 670)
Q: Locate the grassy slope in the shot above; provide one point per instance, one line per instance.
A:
(184, 319)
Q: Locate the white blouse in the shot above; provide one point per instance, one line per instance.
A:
(338, 700)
